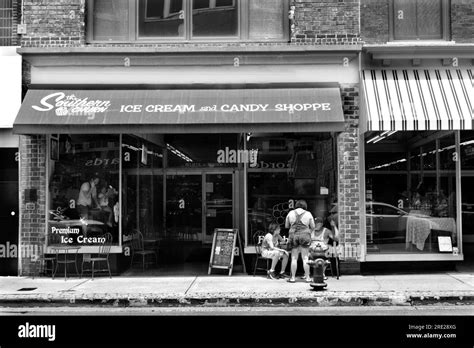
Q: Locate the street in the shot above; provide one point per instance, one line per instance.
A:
(434, 310)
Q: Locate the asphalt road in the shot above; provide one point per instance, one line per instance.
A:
(432, 310)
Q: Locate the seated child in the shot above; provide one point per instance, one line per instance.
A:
(323, 237)
(270, 250)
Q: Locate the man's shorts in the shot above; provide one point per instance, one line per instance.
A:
(299, 239)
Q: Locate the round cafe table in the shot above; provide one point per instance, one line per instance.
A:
(65, 251)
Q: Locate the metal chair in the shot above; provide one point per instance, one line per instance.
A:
(43, 260)
(138, 249)
(102, 256)
(257, 240)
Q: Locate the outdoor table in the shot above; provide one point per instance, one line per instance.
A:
(64, 250)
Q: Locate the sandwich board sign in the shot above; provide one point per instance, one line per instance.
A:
(223, 249)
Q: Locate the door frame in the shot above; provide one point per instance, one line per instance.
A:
(203, 172)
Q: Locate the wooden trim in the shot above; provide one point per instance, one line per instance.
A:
(134, 37)
(445, 23)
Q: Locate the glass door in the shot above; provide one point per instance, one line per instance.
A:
(184, 206)
(219, 206)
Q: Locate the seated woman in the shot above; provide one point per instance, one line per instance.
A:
(323, 237)
(270, 250)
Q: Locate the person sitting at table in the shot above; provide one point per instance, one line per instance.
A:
(271, 251)
(103, 196)
(323, 237)
(87, 197)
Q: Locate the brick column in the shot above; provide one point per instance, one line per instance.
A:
(348, 172)
(32, 214)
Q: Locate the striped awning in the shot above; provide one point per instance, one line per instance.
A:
(434, 99)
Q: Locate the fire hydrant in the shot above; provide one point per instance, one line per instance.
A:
(318, 262)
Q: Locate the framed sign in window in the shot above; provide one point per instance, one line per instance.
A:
(445, 244)
(54, 148)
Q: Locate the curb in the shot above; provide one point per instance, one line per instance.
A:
(316, 299)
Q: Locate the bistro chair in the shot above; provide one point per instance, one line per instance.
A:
(46, 261)
(101, 257)
(257, 241)
(138, 249)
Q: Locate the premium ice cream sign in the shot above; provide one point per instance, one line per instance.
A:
(70, 105)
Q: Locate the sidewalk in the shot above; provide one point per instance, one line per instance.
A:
(221, 290)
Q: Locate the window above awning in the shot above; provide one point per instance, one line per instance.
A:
(180, 111)
(434, 99)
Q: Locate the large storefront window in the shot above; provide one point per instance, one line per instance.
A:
(83, 189)
(411, 192)
(286, 168)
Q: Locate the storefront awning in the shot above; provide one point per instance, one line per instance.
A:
(432, 99)
(180, 111)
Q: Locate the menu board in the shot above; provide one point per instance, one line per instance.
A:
(222, 252)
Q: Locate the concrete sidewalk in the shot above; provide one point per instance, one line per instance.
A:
(222, 290)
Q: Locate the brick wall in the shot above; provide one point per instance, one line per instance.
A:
(462, 21)
(374, 21)
(326, 22)
(54, 23)
(32, 222)
(348, 172)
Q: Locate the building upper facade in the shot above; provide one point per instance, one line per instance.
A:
(417, 21)
(72, 23)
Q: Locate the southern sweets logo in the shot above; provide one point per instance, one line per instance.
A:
(70, 105)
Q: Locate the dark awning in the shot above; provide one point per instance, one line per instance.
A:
(180, 111)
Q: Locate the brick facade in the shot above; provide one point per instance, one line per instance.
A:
(348, 173)
(54, 23)
(32, 214)
(374, 21)
(331, 22)
(462, 21)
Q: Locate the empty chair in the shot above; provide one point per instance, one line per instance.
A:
(138, 250)
(102, 257)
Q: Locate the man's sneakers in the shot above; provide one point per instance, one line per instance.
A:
(283, 275)
(272, 275)
(291, 280)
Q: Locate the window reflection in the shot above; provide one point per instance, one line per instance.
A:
(215, 18)
(410, 203)
(161, 18)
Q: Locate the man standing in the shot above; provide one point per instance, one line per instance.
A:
(301, 223)
(88, 197)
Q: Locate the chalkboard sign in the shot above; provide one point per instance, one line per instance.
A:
(223, 246)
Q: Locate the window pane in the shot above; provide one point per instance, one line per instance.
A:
(83, 190)
(110, 20)
(215, 18)
(404, 19)
(429, 19)
(290, 167)
(266, 19)
(160, 18)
